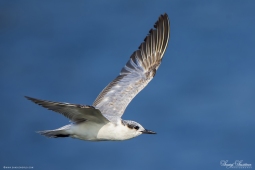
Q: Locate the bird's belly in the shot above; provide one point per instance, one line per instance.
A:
(86, 131)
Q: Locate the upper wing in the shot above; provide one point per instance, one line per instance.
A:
(74, 112)
(137, 73)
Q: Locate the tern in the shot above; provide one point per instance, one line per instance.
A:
(102, 121)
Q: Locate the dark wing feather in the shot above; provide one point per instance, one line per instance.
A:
(137, 73)
(75, 112)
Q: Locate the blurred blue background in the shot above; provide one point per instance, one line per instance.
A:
(201, 101)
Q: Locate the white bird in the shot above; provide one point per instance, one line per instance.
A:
(102, 121)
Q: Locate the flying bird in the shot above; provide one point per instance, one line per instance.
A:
(102, 121)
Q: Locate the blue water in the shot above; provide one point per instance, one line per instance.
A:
(201, 101)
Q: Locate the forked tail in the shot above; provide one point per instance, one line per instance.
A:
(61, 132)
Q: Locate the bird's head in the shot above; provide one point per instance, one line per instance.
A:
(136, 127)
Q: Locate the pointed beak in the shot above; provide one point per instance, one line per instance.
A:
(145, 131)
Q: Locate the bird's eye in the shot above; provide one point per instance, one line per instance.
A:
(136, 127)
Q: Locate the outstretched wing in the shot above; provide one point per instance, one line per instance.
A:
(137, 73)
(76, 113)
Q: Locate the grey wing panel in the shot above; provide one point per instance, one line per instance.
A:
(113, 101)
(137, 73)
(74, 112)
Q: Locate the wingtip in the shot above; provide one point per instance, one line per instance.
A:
(27, 97)
(165, 14)
(161, 17)
(37, 101)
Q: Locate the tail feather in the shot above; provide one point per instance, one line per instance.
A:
(53, 134)
(61, 132)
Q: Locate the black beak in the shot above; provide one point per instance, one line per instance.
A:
(145, 131)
